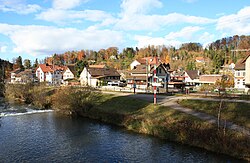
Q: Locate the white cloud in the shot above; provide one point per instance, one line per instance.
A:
(186, 32)
(18, 6)
(67, 4)
(63, 16)
(131, 7)
(3, 49)
(37, 40)
(155, 22)
(238, 23)
(206, 38)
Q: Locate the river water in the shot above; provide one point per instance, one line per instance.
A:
(48, 137)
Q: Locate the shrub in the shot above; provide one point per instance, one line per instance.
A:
(20, 92)
(71, 100)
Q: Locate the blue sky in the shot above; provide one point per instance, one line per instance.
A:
(36, 29)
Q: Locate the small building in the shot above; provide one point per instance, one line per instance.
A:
(246, 61)
(98, 76)
(69, 72)
(13, 75)
(239, 75)
(22, 77)
(209, 79)
(191, 78)
(200, 60)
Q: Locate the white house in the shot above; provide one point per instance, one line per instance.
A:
(191, 77)
(69, 73)
(13, 75)
(246, 61)
(98, 76)
(239, 75)
(49, 73)
(22, 77)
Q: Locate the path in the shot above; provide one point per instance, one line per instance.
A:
(171, 101)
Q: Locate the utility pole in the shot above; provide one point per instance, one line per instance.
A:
(155, 81)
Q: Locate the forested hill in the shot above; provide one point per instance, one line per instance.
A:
(217, 54)
(5, 68)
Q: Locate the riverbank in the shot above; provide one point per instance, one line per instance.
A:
(143, 117)
(136, 115)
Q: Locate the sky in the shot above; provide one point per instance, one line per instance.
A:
(39, 28)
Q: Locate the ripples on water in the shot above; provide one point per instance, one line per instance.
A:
(47, 137)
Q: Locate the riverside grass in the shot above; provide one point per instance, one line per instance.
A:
(143, 117)
(236, 112)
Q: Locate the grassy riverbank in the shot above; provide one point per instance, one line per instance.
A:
(166, 123)
(238, 113)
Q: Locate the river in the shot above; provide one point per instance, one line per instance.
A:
(48, 137)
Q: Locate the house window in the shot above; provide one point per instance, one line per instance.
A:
(238, 73)
(243, 82)
(160, 70)
(244, 73)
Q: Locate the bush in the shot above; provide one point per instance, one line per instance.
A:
(72, 100)
(21, 92)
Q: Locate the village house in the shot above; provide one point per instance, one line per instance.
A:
(144, 61)
(177, 80)
(191, 78)
(246, 61)
(22, 77)
(200, 60)
(239, 76)
(142, 76)
(69, 72)
(69, 75)
(51, 74)
(93, 76)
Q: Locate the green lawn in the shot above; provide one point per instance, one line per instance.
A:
(238, 113)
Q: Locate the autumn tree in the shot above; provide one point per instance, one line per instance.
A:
(18, 63)
(35, 63)
(27, 64)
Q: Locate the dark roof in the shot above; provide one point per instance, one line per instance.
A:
(16, 71)
(139, 69)
(102, 72)
(72, 68)
(244, 60)
(193, 74)
(240, 65)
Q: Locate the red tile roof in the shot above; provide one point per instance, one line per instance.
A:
(50, 68)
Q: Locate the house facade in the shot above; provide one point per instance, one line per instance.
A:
(239, 76)
(69, 72)
(50, 74)
(191, 78)
(246, 61)
(22, 77)
(142, 76)
(98, 76)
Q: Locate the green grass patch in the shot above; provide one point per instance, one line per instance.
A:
(236, 112)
